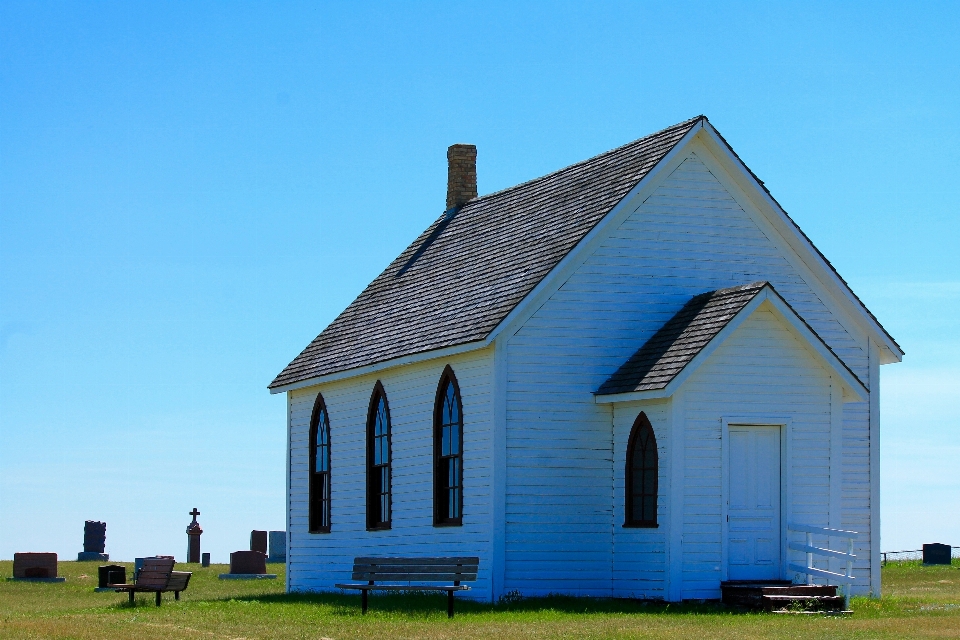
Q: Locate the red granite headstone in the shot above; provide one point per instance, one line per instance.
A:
(258, 541)
(34, 565)
(246, 562)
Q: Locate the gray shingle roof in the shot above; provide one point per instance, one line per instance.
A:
(467, 271)
(678, 341)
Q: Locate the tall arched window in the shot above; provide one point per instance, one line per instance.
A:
(378, 460)
(319, 468)
(641, 476)
(448, 452)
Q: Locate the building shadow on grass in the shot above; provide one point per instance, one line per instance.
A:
(416, 604)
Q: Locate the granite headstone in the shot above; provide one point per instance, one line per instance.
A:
(278, 546)
(94, 542)
(258, 541)
(936, 553)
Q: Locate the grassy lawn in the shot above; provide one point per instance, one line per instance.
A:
(918, 602)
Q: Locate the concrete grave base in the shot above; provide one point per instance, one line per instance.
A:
(103, 589)
(248, 576)
(60, 579)
(87, 556)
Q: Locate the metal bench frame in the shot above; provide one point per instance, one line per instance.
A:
(372, 570)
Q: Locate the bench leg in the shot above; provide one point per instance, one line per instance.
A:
(176, 595)
(131, 596)
(449, 604)
(363, 601)
(158, 598)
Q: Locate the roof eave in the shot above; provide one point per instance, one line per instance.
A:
(423, 356)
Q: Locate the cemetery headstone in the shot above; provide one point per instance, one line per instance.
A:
(248, 562)
(193, 537)
(204, 559)
(137, 565)
(94, 542)
(278, 546)
(258, 541)
(111, 574)
(36, 566)
(936, 553)
(248, 565)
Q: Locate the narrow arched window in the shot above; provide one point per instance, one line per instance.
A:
(448, 452)
(641, 476)
(319, 468)
(378, 460)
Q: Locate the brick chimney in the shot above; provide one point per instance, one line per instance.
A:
(461, 174)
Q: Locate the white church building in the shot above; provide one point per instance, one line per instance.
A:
(626, 378)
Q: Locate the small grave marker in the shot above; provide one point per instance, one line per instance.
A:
(936, 553)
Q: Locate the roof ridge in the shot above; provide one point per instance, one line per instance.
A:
(689, 122)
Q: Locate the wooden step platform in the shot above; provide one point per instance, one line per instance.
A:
(775, 595)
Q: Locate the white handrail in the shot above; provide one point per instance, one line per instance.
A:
(810, 550)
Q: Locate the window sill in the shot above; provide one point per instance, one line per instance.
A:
(379, 527)
(450, 523)
(642, 525)
(318, 531)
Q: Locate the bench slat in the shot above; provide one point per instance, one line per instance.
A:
(400, 587)
(417, 568)
(413, 568)
(457, 560)
(416, 577)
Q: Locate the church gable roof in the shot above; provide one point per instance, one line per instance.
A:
(672, 352)
(676, 343)
(457, 281)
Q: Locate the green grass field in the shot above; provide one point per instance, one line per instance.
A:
(918, 602)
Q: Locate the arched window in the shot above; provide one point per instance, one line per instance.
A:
(319, 468)
(378, 460)
(448, 452)
(641, 476)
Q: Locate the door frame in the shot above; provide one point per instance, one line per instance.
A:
(784, 424)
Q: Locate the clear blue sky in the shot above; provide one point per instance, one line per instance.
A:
(190, 192)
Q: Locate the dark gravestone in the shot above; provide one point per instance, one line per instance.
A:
(936, 553)
(258, 541)
(94, 536)
(94, 541)
(111, 574)
(248, 562)
(204, 559)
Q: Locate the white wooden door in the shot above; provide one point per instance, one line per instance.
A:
(753, 522)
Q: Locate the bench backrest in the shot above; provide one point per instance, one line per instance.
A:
(455, 570)
(155, 573)
(179, 580)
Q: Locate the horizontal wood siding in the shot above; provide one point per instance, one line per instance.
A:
(761, 373)
(317, 561)
(640, 555)
(688, 237)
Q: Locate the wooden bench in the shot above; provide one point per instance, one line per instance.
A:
(157, 575)
(374, 570)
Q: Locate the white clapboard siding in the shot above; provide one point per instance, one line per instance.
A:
(318, 561)
(744, 378)
(690, 236)
(639, 555)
